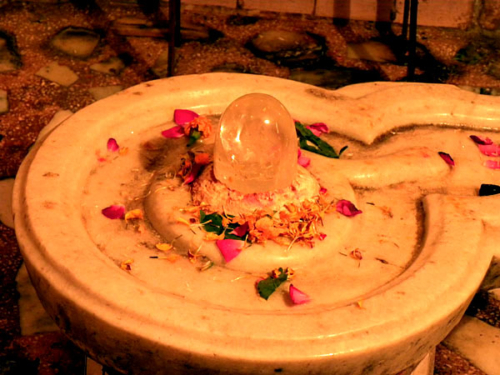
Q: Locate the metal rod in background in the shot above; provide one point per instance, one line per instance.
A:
(412, 45)
(406, 13)
(174, 35)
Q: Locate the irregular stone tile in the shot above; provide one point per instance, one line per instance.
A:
(492, 278)
(288, 48)
(4, 103)
(371, 51)
(160, 67)
(113, 65)
(76, 41)
(6, 214)
(333, 78)
(32, 316)
(478, 342)
(138, 26)
(59, 74)
(231, 68)
(142, 27)
(105, 91)
(495, 293)
(426, 365)
(59, 117)
(9, 56)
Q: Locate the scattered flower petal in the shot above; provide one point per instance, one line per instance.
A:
(447, 158)
(323, 190)
(302, 160)
(241, 230)
(164, 246)
(195, 170)
(298, 297)
(356, 254)
(175, 132)
(114, 212)
(480, 140)
(183, 116)
(322, 236)
(347, 208)
(126, 264)
(136, 214)
(230, 249)
(489, 150)
(318, 128)
(113, 145)
(492, 164)
(202, 158)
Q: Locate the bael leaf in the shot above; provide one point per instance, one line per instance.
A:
(268, 286)
(318, 146)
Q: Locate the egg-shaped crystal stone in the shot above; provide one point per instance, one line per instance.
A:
(256, 146)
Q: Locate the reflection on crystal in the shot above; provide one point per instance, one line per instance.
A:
(256, 146)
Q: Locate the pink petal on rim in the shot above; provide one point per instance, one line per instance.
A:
(230, 249)
(492, 164)
(113, 212)
(322, 236)
(480, 140)
(241, 230)
(447, 158)
(175, 132)
(183, 116)
(302, 160)
(318, 128)
(298, 297)
(323, 190)
(347, 208)
(113, 145)
(489, 149)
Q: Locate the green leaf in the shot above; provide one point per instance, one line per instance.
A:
(308, 141)
(268, 286)
(193, 137)
(213, 223)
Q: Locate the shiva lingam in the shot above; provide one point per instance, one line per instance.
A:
(159, 246)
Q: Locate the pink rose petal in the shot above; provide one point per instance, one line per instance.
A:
(195, 171)
(241, 230)
(323, 190)
(175, 132)
(318, 128)
(113, 145)
(114, 212)
(298, 297)
(322, 236)
(347, 208)
(480, 140)
(489, 149)
(303, 161)
(447, 158)
(492, 164)
(183, 116)
(230, 249)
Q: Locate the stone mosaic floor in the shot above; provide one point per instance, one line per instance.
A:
(58, 58)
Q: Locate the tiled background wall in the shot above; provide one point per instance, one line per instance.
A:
(442, 13)
(460, 14)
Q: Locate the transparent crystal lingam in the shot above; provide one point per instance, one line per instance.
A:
(256, 146)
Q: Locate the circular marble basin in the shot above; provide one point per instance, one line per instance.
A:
(385, 286)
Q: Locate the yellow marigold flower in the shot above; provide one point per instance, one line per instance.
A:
(136, 214)
(164, 246)
(126, 264)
